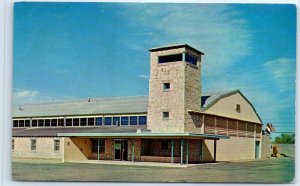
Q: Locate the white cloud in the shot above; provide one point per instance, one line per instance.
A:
(216, 30)
(283, 71)
(143, 76)
(21, 96)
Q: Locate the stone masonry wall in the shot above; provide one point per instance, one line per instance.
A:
(44, 149)
(171, 101)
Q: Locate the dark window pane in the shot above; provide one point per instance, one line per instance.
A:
(166, 86)
(107, 121)
(82, 121)
(190, 59)
(91, 121)
(99, 121)
(142, 120)
(75, 121)
(116, 120)
(124, 120)
(47, 122)
(69, 122)
(133, 120)
(27, 123)
(60, 122)
(165, 115)
(170, 58)
(40, 122)
(53, 122)
(164, 144)
(21, 123)
(15, 123)
(94, 145)
(34, 123)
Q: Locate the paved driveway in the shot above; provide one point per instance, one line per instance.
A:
(279, 170)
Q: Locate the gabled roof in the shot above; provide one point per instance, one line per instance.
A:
(208, 99)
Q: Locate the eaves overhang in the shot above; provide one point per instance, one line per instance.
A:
(146, 135)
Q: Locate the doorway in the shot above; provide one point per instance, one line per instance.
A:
(121, 149)
(257, 148)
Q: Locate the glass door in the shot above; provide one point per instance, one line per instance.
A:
(117, 149)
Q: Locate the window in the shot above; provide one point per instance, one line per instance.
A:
(12, 144)
(170, 58)
(33, 145)
(190, 59)
(47, 122)
(142, 120)
(165, 115)
(40, 122)
(164, 144)
(56, 145)
(133, 120)
(91, 121)
(116, 120)
(166, 86)
(82, 121)
(27, 123)
(94, 145)
(34, 123)
(69, 122)
(60, 122)
(75, 121)
(21, 123)
(99, 121)
(107, 121)
(238, 108)
(15, 123)
(53, 122)
(124, 120)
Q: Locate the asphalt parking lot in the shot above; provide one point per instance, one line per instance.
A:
(272, 170)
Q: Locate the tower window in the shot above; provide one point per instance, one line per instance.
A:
(170, 58)
(166, 86)
(238, 108)
(165, 115)
(191, 59)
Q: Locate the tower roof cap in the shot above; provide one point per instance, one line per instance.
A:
(174, 46)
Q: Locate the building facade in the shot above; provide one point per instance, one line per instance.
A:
(176, 123)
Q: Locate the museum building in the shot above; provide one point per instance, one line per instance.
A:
(175, 123)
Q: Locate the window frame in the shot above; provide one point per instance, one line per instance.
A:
(33, 145)
(56, 145)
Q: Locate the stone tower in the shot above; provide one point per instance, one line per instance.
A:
(174, 88)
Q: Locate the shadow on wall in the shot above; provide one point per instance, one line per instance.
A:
(77, 149)
(207, 153)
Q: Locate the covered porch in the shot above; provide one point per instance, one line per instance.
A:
(182, 148)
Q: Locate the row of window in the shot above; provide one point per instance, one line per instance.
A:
(33, 145)
(93, 121)
(178, 57)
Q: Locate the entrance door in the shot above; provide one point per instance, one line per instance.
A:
(257, 149)
(121, 149)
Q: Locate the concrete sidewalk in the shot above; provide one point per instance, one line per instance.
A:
(130, 163)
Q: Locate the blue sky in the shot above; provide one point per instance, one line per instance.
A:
(81, 50)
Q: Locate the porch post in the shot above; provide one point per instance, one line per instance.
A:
(201, 151)
(187, 152)
(98, 148)
(215, 150)
(132, 150)
(181, 151)
(172, 151)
